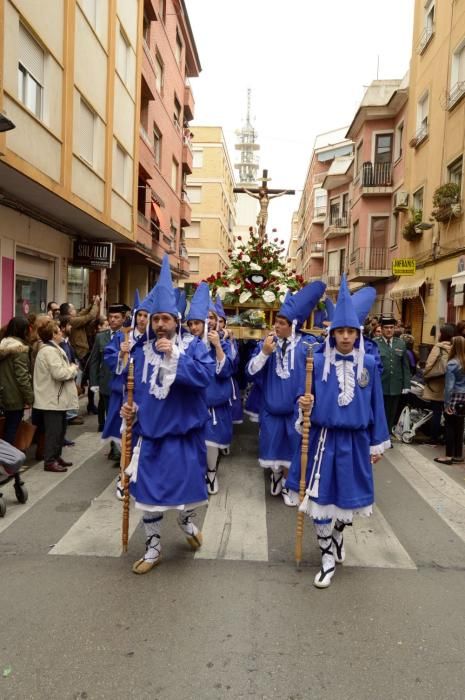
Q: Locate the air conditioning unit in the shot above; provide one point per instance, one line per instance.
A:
(401, 200)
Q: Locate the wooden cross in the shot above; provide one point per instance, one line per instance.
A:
(263, 194)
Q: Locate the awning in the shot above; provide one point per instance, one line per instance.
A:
(458, 279)
(162, 218)
(408, 287)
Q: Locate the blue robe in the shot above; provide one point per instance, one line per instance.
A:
(353, 433)
(236, 400)
(112, 427)
(219, 392)
(172, 461)
(279, 439)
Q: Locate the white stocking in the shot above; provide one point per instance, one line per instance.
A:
(152, 525)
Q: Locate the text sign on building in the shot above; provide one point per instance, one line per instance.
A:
(404, 266)
(87, 254)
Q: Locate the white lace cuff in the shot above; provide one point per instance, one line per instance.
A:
(379, 449)
(299, 424)
(258, 362)
(220, 364)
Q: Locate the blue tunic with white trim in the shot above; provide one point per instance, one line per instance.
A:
(172, 462)
(349, 434)
(219, 392)
(112, 427)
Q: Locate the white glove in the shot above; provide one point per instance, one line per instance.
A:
(406, 391)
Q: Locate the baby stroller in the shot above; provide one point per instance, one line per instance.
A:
(11, 461)
(415, 414)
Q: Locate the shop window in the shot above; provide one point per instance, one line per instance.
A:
(31, 295)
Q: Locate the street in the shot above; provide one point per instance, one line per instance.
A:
(235, 620)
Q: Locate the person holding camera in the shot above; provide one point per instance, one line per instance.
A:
(454, 403)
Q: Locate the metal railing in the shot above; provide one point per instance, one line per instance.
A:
(376, 174)
(332, 279)
(317, 247)
(456, 93)
(373, 259)
(425, 38)
(339, 222)
(420, 136)
(319, 212)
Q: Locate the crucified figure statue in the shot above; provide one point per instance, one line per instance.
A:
(263, 194)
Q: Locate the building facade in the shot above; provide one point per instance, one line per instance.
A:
(213, 201)
(67, 169)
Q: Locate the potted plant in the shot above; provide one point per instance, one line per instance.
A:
(446, 202)
(410, 231)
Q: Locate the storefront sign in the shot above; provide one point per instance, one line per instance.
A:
(87, 254)
(404, 266)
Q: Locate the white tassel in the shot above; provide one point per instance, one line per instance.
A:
(233, 390)
(180, 345)
(315, 488)
(327, 353)
(294, 324)
(303, 508)
(131, 469)
(361, 355)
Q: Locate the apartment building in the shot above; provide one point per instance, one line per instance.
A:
(67, 170)
(433, 228)
(210, 193)
(291, 258)
(313, 208)
(169, 61)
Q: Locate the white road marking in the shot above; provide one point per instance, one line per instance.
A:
(98, 531)
(39, 483)
(235, 524)
(443, 494)
(371, 542)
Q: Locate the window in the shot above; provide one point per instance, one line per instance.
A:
(398, 145)
(197, 159)
(90, 10)
(418, 200)
(345, 208)
(321, 197)
(120, 170)
(174, 174)
(333, 210)
(123, 56)
(146, 29)
(395, 228)
(178, 49)
(193, 231)
(157, 142)
(457, 75)
(355, 236)
(376, 258)
(429, 16)
(422, 115)
(194, 192)
(383, 148)
(30, 72)
(194, 263)
(159, 69)
(86, 132)
(358, 159)
(454, 171)
(162, 10)
(177, 112)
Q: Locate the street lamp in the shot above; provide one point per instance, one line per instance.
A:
(5, 123)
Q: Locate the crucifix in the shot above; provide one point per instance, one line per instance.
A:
(263, 194)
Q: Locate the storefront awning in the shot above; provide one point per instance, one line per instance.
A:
(458, 279)
(408, 287)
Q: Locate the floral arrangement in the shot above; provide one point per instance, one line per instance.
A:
(257, 272)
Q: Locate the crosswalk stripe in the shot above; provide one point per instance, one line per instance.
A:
(235, 524)
(443, 494)
(98, 531)
(371, 542)
(39, 483)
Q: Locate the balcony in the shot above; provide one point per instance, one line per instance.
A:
(332, 280)
(319, 215)
(337, 226)
(368, 264)
(420, 136)
(455, 95)
(187, 157)
(317, 249)
(146, 154)
(189, 104)
(186, 211)
(376, 178)
(425, 38)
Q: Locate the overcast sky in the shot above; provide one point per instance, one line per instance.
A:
(306, 61)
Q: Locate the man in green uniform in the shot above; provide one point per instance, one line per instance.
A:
(396, 372)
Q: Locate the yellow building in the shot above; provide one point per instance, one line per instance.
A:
(210, 192)
(68, 83)
(433, 231)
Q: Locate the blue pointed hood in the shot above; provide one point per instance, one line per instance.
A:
(298, 307)
(181, 301)
(219, 307)
(164, 299)
(329, 309)
(363, 300)
(136, 303)
(345, 315)
(200, 303)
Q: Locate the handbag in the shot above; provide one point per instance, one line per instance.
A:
(440, 366)
(457, 404)
(24, 435)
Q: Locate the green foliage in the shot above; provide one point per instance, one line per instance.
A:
(446, 202)
(409, 231)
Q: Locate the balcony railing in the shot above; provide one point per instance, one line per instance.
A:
(425, 38)
(373, 259)
(319, 212)
(332, 280)
(455, 95)
(420, 136)
(339, 222)
(376, 174)
(317, 247)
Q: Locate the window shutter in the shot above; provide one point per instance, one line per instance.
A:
(31, 55)
(86, 133)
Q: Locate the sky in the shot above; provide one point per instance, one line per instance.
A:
(307, 63)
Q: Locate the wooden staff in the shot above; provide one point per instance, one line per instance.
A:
(126, 450)
(304, 456)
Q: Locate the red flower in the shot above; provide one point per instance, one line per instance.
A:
(218, 275)
(239, 238)
(282, 242)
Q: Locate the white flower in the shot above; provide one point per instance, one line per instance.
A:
(222, 291)
(282, 297)
(244, 297)
(234, 287)
(254, 266)
(276, 273)
(246, 258)
(269, 296)
(283, 288)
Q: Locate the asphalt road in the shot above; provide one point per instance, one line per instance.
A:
(236, 620)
